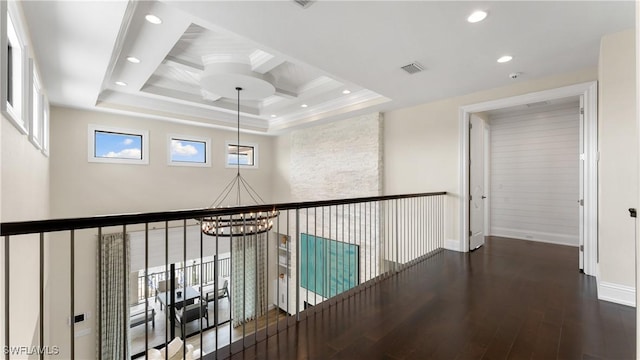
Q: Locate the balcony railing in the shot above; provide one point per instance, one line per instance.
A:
(85, 268)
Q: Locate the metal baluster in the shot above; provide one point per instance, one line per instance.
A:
(72, 328)
(184, 283)
(349, 242)
(233, 277)
(369, 242)
(325, 291)
(288, 267)
(216, 271)
(99, 287)
(298, 264)
(397, 236)
(7, 327)
(125, 325)
(342, 253)
(278, 278)
(330, 242)
(244, 280)
(307, 254)
(41, 295)
(266, 281)
(166, 277)
(315, 254)
(146, 287)
(202, 299)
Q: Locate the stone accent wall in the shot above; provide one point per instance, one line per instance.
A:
(337, 160)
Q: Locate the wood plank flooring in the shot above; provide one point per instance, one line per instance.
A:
(510, 299)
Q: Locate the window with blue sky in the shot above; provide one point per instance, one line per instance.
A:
(189, 151)
(118, 145)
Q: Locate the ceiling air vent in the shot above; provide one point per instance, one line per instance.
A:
(303, 3)
(413, 68)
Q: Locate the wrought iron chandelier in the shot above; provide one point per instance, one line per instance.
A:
(238, 224)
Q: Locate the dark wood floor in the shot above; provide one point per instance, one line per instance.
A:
(510, 299)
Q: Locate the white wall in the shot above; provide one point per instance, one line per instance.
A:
(25, 196)
(618, 172)
(80, 188)
(535, 174)
(421, 143)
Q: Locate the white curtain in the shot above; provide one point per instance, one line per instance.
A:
(248, 278)
(113, 287)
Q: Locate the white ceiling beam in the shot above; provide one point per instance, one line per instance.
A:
(183, 64)
(262, 62)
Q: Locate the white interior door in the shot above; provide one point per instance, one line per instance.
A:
(476, 182)
(581, 188)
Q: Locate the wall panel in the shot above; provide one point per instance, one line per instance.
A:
(535, 174)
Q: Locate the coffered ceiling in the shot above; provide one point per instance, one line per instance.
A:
(328, 61)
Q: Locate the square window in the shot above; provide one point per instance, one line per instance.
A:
(120, 146)
(246, 155)
(188, 151)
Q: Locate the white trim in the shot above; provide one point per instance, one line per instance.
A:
(15, 115)
(616, 293)
(256, 155)
(637, 224)
(46, 124)
(91, 130)
(539, 236)
(589, 91)
(207, 149)
(453, 245)
(35, 115)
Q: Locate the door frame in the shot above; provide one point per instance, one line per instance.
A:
(589, 92)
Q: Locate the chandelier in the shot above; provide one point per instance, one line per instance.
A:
(250, 223)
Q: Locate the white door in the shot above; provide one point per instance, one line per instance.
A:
(581, 188)
(476, 182)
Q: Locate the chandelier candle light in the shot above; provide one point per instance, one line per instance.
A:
(239, 224)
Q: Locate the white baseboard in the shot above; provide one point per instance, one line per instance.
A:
(616, 293)
(454, 245)
(550, 238)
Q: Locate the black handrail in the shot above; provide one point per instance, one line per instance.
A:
(44, 226)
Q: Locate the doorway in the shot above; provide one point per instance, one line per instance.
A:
(588, 228)
(478, 180)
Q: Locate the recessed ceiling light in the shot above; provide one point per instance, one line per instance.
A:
(477, 16)
(505, 59)
(346, 91)
(121, 83)
(153, 19)
(133, 59)
(304, 105)
(274, 115)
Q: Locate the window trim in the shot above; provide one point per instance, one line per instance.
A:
(35, 115)
(207, 149)
(256, 153)
(17, 115)
(91, 131)
(46, 122)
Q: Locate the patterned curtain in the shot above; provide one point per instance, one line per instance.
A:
(248, 277)
(114, 264)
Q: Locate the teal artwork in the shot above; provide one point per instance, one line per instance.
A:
(328, 267)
